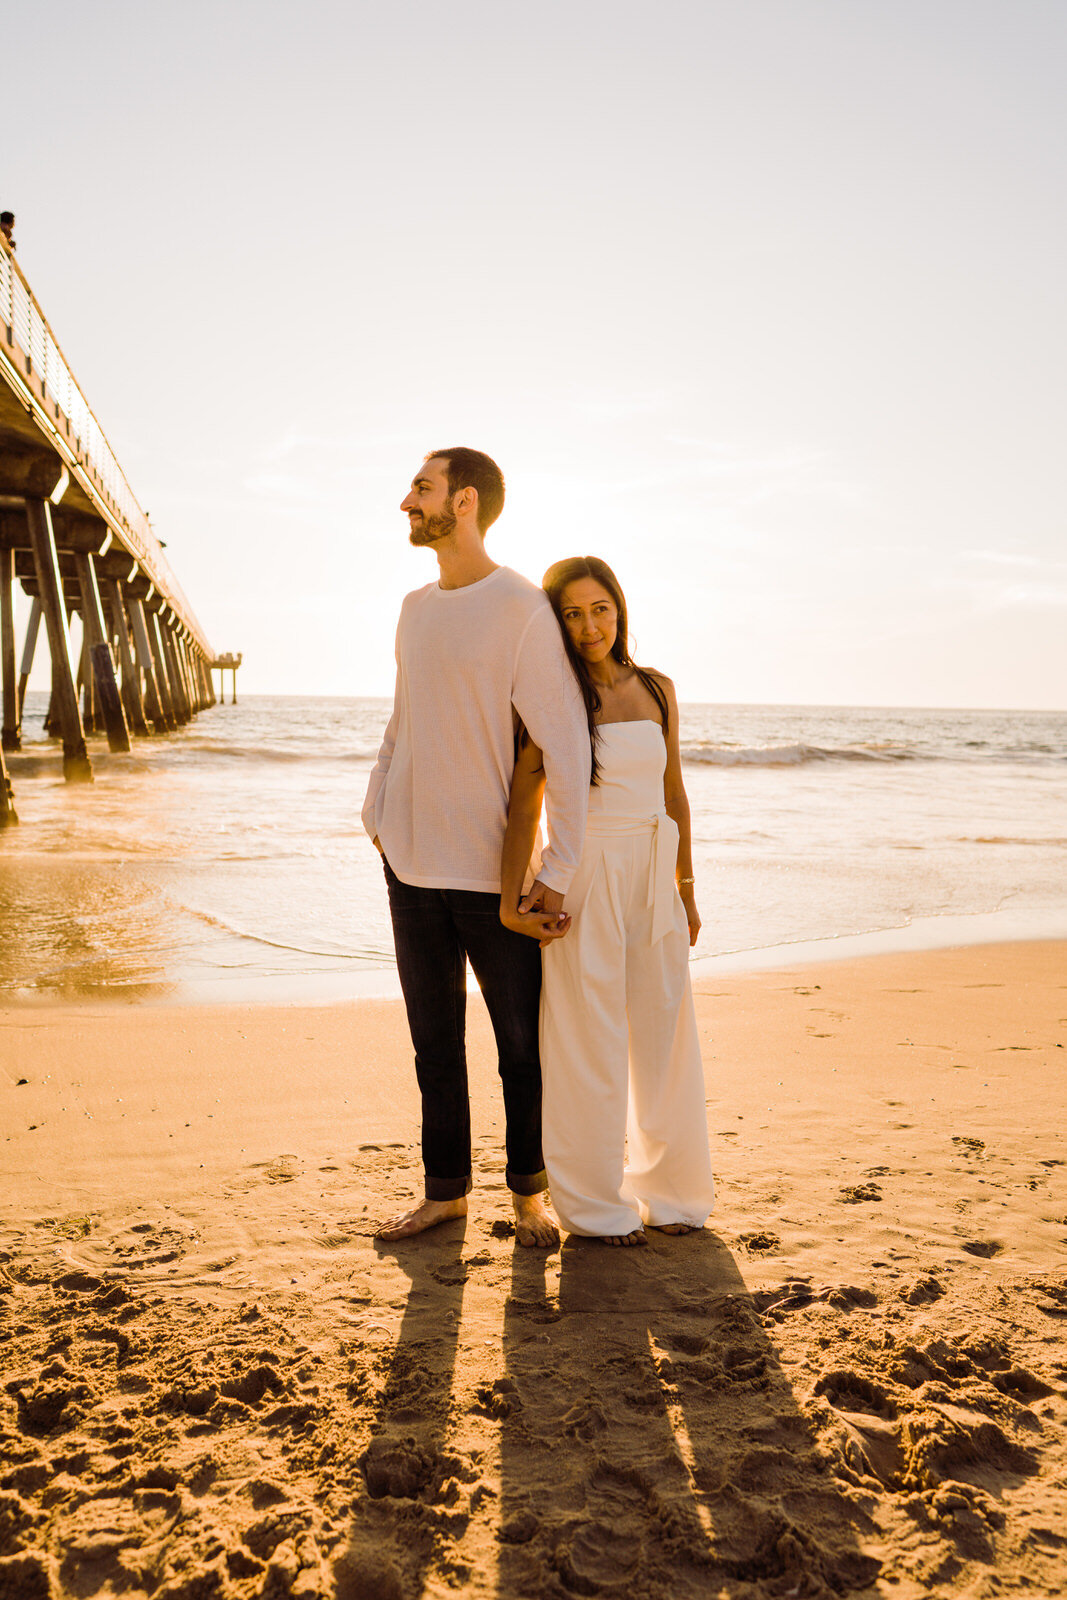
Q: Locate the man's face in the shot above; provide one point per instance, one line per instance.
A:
(428, 504)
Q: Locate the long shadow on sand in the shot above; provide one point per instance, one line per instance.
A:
(652, 1444)
(403, 1525)
(649, 1443)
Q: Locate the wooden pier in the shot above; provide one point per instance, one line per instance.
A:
(74, 536)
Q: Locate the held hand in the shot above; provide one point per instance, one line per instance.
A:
(542, 898)
(378, 845)
(540, 925)
(548, 903)
(692, 915)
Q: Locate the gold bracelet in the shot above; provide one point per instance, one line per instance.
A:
(685, 880)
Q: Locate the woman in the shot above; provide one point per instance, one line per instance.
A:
(620, 1055)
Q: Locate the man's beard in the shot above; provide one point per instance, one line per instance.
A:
(432, 528)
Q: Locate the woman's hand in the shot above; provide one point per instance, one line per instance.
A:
(692, 915)
(544, 926)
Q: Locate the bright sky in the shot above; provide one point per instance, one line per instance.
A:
(761, 300)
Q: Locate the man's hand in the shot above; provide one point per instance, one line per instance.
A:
(542, 898)
(544, 926)
(547, 905)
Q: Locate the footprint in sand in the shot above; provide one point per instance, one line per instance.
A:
(282, 1169)
(969, 1146)
(595, 1556)
(921, 1291)
(760, 1243)
(153, 1247)
(855, 1194)
(396, 1468)
(791, 1296)
(1056, 1303)
(850, 1391)
(985, 1248)
(847, 1296)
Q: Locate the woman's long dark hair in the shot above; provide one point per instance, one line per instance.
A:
(558, 577)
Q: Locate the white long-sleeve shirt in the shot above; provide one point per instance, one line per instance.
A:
(470, 663)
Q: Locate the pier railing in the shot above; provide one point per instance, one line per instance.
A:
(35, 361)
(73, 534)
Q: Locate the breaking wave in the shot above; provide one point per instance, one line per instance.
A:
(790, 755)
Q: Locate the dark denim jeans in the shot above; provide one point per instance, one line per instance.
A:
(436, 931)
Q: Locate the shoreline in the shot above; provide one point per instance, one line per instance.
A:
(850, 1382)
(380, 982)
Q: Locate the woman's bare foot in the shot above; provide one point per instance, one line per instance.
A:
(627, 1240)
(534, 1223)
(427, 1214)
(675, 1228)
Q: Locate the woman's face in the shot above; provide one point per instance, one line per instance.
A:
(590, 618)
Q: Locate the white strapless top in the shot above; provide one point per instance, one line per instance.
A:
(632, 757)
(628, 800)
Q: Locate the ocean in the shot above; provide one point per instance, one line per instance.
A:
(227, 862)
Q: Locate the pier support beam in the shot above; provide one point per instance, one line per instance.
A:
(189, 657)
(12, 734)
(131, 683)
(207, 688)
(182, 652)
(98, 655)
(155, 634)
(177, 687)
(177, 645)
(154, 704)
(190, 675)
(76, 767)
(91, 723)
(29, 649)
(8, 814)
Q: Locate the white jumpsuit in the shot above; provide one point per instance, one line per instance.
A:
(620, 1054)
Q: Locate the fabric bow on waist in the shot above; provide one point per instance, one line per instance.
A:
(663, 859)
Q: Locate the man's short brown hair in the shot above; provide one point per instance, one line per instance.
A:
(473, 469)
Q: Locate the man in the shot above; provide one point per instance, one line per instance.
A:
(475, 652)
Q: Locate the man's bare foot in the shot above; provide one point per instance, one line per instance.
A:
(627, 1240)
(534, 1223)
(427, 1214)
(675, 1228)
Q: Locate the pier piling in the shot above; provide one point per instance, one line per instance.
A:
(107, 698)
(76, 765)
(29, 649)
(84, 685)
(131, 685)
(142, 645)
(177, 646)
(8, 814)
(12, 732)
(182, 712)
(162, 669)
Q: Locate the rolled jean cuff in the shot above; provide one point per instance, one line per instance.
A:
(527, 1183)
(447, 1188)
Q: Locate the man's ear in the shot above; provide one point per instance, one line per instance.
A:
(465, 502)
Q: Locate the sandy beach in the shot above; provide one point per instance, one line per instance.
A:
(852, 1382)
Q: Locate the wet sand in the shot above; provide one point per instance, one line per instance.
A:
(853, 1381)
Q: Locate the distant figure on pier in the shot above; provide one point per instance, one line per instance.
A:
(7, 228)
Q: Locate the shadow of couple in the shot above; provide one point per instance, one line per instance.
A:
(627, 1428)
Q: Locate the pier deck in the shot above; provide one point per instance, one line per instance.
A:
(73, 534)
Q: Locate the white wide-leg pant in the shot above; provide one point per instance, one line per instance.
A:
(620, 1054)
